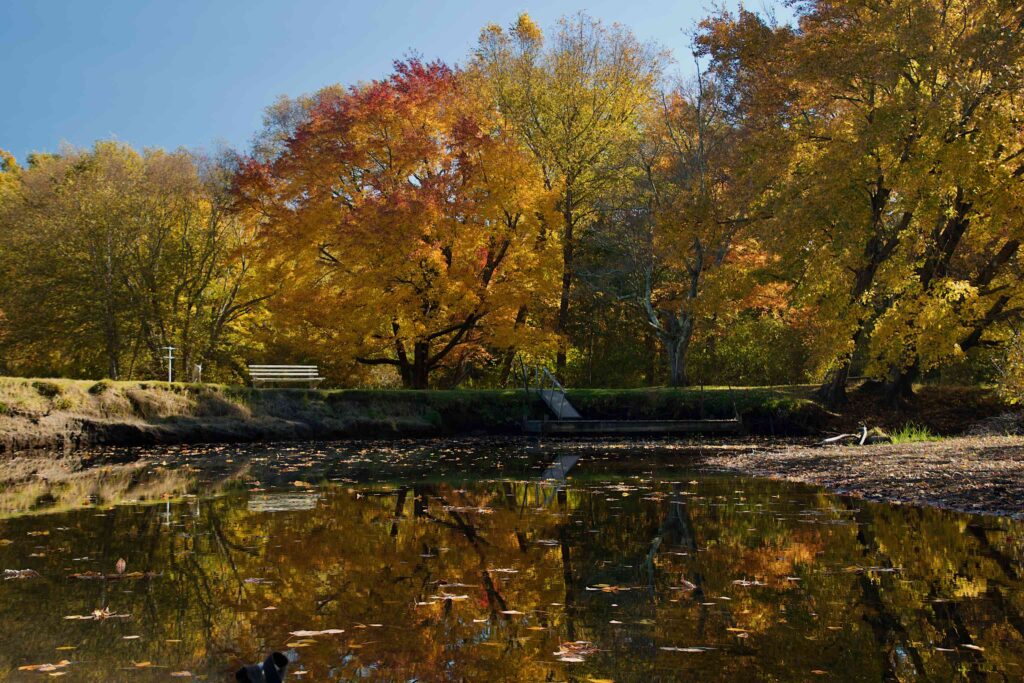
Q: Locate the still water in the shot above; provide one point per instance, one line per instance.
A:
(487, 561)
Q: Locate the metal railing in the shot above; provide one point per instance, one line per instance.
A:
(539, 379)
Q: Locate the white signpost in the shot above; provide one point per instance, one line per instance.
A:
(170, 363)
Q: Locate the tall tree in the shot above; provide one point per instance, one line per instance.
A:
(109, 255)
(704, 192)
(901, 116)
(9, 180)
(408, 223)
(577, 99)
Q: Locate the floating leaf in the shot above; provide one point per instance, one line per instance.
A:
(44, 668)
(20, 574)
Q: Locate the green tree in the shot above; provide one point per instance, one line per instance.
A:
(110, 255)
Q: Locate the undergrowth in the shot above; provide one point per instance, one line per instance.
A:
(913, 433)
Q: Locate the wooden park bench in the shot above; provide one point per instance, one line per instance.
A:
(284, 374)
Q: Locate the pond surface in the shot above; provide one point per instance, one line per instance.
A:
(621, 566)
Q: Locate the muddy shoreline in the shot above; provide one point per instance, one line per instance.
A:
(979, 475)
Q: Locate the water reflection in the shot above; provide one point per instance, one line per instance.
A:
(643, 577)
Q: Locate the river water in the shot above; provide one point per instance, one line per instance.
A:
(493, 561)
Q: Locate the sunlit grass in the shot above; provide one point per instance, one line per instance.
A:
(913, 433)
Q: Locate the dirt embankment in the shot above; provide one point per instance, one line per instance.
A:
(968, 474)
(68, 415)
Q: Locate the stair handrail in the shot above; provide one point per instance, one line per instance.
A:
(556, 389)
(541, 377)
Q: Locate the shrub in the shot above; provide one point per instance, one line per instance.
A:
(48, 389)
(101, 387)
(62, 403)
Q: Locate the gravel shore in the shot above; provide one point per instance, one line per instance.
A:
(970, 474)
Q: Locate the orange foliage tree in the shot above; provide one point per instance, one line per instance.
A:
(405, 225)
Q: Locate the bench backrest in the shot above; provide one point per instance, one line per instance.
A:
(284, 372)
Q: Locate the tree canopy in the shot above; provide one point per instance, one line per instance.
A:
(837, 195)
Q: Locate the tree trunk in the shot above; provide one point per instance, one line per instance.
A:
(568, 246)
(677, 347)
(420, 371)
(652, 359)
(833, 392)
(113, 342)
(900, 387)
(676, 356)
(509, 357)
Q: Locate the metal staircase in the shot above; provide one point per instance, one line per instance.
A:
(538, 382)
(550, 390)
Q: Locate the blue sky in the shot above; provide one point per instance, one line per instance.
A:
(196, 73)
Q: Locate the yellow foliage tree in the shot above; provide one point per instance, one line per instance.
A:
(577, 99)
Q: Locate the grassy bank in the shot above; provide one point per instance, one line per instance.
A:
(72, 414)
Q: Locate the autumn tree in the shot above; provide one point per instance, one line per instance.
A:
(9, 176)
(577, 99)
(685, 232)
(903, 125)
(110, 255)
(408, 225)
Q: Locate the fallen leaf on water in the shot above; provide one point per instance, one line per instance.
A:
(100, 576)
(20, 574)
(99, 615)
(605, 588)
(575, 651)
(685, 585)
(44, 667)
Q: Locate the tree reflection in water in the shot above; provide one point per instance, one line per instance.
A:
(666, 577)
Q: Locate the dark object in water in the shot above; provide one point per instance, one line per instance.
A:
(271, 671)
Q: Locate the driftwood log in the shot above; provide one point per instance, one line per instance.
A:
(862, 438)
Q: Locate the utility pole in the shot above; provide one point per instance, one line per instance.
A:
(170, 363)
